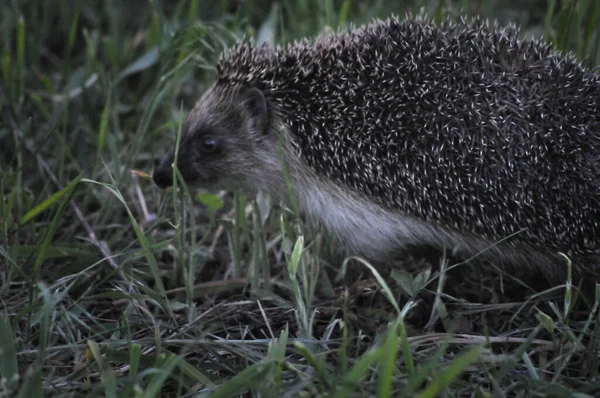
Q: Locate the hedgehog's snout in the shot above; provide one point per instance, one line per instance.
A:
(163, 173)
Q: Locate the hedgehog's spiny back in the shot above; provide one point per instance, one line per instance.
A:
(464, 125)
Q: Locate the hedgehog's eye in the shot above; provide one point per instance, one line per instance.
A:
(209, 144)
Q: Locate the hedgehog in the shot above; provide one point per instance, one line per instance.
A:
(463, 136)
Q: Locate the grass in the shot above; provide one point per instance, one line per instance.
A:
(111, 287)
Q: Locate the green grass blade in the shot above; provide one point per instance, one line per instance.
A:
(31, 386)
(296, 256)
(246, 380)
(343, 13)
(452, 372)
(144, 62)
(108, 376)
(268, 30)
(21, 55)
(9, 367)
(158, 379)
(363, 365)
(135, 353)
(380, 280)
(317, 363)
(387, 363)
(426, 369)
(153, 264)
(51, 201)
(73, 30)
(277, 351)
(4, 253)
(406, 351)
(54, 251)
(590, 28)
(53, 227)
(195, 374)
(548, 19)
(7, 73)
(103, 126)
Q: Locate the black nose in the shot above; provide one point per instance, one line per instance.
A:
(163, 176)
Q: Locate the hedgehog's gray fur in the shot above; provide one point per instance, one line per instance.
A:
(462, 134)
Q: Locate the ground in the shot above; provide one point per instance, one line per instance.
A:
(110, 286)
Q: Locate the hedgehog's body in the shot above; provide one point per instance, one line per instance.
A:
(404, 133)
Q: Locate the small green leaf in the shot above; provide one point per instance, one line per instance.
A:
(94, 350)
(210, 200)
(546, 321)
(421, 279)
(405, 280)
(296, 256)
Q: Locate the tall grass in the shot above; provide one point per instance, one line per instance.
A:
(112, 287)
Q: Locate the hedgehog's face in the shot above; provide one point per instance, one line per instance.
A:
(225, 143)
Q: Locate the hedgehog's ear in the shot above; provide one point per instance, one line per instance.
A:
(256, 107)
